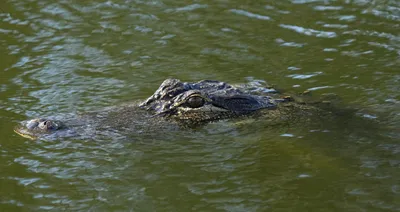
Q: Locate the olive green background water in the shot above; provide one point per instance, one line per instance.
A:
(62, 56)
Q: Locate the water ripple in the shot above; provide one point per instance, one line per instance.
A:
(304, 76)
(327, 8)
(250, 15)
(190, 8)
(309, 32)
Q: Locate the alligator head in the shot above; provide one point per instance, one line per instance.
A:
(203, 101)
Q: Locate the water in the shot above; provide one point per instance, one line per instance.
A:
(74, 56)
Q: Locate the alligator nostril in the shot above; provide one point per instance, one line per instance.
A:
(45, 125)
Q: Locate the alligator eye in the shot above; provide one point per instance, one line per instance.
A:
(195, 102)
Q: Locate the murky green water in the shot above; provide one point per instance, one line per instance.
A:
(73, 56)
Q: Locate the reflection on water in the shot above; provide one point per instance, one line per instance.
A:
(69, 56)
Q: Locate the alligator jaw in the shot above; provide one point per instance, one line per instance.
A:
(25, 135)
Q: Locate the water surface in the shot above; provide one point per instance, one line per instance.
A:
(69, 56)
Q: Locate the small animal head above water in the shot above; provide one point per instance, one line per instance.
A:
(204, 100)
(33, 128)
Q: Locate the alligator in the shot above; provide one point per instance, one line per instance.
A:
(186, 104)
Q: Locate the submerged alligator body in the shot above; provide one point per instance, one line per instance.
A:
(181, 103)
